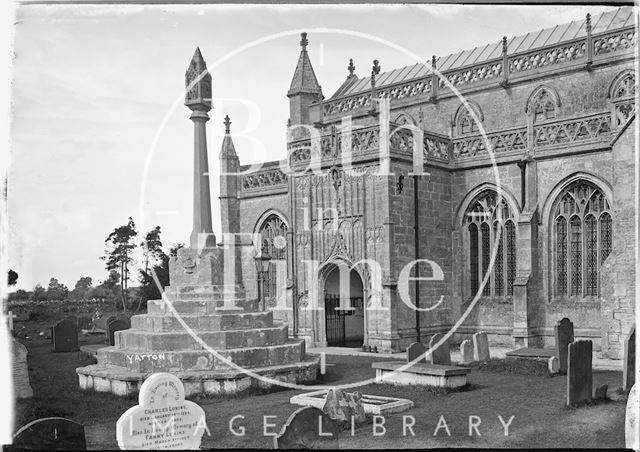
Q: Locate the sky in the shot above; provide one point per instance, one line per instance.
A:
(98, 127)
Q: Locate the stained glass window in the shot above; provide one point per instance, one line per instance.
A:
(489, 216)
(582, 225)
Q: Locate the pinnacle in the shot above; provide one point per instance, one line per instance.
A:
(304, 78)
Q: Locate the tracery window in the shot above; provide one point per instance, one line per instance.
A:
(581, 238)
(273, 235)
(487, 217)
(464, 122)
(543, 106)
(622, 96)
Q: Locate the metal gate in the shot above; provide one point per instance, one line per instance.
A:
(335, 319)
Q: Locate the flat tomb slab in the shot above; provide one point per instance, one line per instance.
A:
(372, 404)
(533, 353)
(422, 374)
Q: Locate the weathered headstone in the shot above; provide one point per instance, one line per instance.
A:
(100, 323)
(84, 322)
(629, 369)
(10, 318)
(631, 436)
(416, 350)
(308, 428)
(116, 325)
(466, 352)
(481, 347)
(342, 407)
(553, 364)
(441, 354)
(601, 392)
(21, 386)
(65, 335)
(564, 336)
(579, 372)
(51, 433)
(163, 419)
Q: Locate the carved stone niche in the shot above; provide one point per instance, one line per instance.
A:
(194, 267)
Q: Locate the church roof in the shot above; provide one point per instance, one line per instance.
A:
(304, 79)
(610, 20)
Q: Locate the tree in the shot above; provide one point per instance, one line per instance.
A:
(13, 277)
(118, 255)
(20, 295)
(39, 293)
(108, 289)
(173, 251)
(156, 261)
(82, 288)
(152, 248)
(57, 290)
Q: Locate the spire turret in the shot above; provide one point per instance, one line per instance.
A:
(304, 79)
(197, 84)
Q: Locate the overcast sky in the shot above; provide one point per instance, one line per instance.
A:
(95, 87)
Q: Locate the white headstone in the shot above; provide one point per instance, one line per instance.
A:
(631, 420)
(466, 352)
(21, 386)
(553, 365)
(10, 317)
(163, 419)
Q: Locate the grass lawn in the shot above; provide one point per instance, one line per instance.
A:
(537, 402)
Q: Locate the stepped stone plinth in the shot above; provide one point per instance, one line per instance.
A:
(175, 334)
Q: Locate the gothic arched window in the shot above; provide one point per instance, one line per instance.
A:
(487, 217)
(273, 236)
(622, 96)
(581, 222)
(464, 121)
(543, 107)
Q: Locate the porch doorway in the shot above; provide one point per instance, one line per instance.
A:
(344, 326)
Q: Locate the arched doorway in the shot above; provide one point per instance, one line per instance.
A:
(344, 307)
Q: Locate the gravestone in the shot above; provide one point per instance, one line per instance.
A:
(631, 436)
(629, 369)
(116, 325)
(65, 335)
(341, 407)
(308, 428)
(441, 354)
(481, 347)
(21, 386)
(416, 350)
(553, 364)
(579, 372)
(564, 336)
(84, 323)
(163, 419)
(51, 433)
(601, 392)
(100, 323)
(466, 352)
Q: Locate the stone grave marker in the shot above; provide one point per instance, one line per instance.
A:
(466, 352)
(21, 386)
(84, 323)
(601, 392)
(631, 436)
(341, 407)
(553, 364)
(579, 372)
(629, 369)
(100, 323)
(415, 350)
(51, 433)
(308, 428)
(564, 336)
(442, 354)
(116, 325)
(163, 419)
(65, 335)
(481, 347)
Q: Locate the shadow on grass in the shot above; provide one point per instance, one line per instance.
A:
(514, 366)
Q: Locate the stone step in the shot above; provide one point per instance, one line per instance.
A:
(145, 341)
(198, 306)
(210, 322)
(191, 360)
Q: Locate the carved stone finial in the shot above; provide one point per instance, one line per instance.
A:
(588, 23)
(304, 42)
(198, 84)
(375, 70)
(351, 68)
(433, 61)
(504, 44)
(227, 125)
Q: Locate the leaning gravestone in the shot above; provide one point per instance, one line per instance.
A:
(343, 407)
(65, 335)
(308, 428)
(442, 354)
(564, 336)
(631, 436)
(629, 369)
(481, 347)
(415, 351)
(116, 325)
(163, 419)
(579, 372)
(21, 386)
(51, 433)
(466, 352)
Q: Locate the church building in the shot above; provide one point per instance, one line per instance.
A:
(492, 189)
